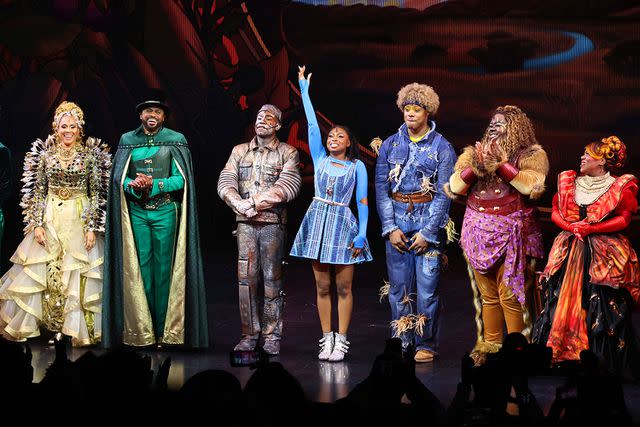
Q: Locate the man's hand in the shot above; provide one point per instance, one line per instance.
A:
(146, 181)
(246, 207)
(398, 241)
(251, 212)
(142, 182)
(242, 205)
(135, 184)
(419, 245)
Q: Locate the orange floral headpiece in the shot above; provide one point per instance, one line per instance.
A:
(611, 148)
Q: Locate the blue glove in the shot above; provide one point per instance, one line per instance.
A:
(358, 241)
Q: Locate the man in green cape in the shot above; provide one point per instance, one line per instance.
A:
(153, 278)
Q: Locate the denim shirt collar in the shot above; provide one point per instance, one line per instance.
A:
(403, 133)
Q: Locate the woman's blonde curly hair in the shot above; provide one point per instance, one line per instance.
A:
(72, 109)
(418, 94)
(520, 132)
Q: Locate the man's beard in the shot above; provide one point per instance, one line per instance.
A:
(149, 126)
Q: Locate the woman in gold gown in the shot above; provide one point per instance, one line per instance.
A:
(56, 279)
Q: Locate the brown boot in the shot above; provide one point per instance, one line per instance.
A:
(423, 356)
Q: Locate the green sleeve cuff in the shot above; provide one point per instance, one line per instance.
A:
(158, 187)
(130, 190)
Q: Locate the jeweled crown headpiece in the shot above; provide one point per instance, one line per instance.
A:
(67, 108)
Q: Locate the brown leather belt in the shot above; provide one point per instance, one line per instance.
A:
(502, 206)
(412, 198)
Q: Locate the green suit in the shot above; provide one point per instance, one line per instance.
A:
(5, 182)
(154, 284)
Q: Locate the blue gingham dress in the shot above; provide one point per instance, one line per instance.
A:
(327, 230)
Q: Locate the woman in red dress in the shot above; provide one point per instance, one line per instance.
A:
(591, 281)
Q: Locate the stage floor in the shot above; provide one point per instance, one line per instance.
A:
(325, 381)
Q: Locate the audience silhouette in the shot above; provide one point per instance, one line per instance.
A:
(121, 385)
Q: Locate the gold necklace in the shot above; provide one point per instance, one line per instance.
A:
(66, 155)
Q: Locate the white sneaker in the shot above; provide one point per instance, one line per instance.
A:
(326, 346)
(340, 348)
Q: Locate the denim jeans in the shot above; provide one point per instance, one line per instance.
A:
(415, 276)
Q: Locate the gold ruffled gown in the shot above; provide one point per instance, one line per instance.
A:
(59, 286)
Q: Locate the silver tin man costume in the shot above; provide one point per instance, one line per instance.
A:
(258, 179)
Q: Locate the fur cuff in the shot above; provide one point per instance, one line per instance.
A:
(450, 194)
(467, 159)
(476, 167)
(491, 165)
(487, 347)
(537, 191)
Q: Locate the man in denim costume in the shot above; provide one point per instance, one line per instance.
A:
(412, 167)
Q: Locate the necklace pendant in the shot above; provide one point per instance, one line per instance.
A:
(65, 155)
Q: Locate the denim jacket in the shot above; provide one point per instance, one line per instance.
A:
(433, 157)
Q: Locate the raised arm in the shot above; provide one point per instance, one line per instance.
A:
(314, 137)
(363, 204)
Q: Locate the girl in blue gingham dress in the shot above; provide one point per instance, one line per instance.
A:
(329, 233)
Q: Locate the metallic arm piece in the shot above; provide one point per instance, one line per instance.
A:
(99, 165)
(228, 182)
(34, 190)
(286, 188)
